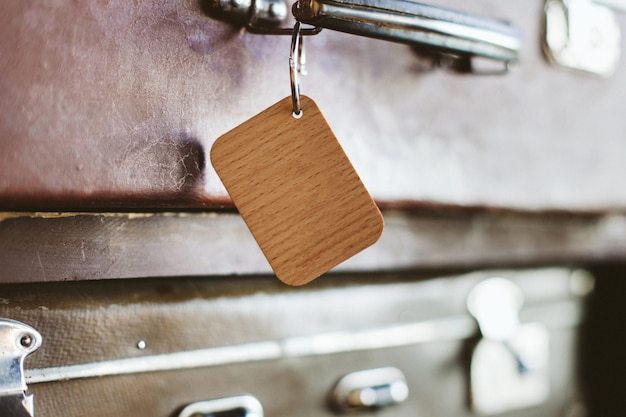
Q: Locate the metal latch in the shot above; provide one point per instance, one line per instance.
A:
(509, 365)
(17, 340)
(433, 29)
(583, 36)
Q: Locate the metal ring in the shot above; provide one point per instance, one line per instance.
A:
(294, 69)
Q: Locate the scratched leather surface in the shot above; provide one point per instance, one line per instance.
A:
(95, 321)
(109, 104)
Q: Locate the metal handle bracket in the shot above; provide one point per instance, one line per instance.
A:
(404, 21)
(17, 340)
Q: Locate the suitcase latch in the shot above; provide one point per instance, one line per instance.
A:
(583, 35)
(17, 340)
(509, 364)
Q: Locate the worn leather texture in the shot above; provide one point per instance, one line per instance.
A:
(44, 247)
(115, 104)
(87, 322)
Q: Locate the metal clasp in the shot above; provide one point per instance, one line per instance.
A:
(258, 16)
(583, 36)
(17, 340)
(509, 365)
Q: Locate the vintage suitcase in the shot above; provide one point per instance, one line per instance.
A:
(108, 111)
(116, 105)
(378, 344)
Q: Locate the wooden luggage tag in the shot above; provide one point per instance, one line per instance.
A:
(297, 191)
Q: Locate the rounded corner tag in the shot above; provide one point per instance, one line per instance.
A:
(297, 191)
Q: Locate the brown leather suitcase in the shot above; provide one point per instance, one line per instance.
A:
(115, 106)
(379, 344)
(108, 112)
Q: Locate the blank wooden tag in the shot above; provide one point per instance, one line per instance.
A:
(297, 191)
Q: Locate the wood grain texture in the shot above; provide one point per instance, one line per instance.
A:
(297, 191)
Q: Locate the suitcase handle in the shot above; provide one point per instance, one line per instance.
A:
(432, 28)
(244, 405)
(439, 29)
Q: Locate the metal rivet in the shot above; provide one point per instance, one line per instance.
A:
(26, 341)
(141, 345)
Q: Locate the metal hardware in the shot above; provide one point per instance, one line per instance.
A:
(296, 65)
(436, 29)
(581, 283)
(495, 304)
(17, 341)
(240, 406)
(509, 366)
(614, 4)
(258, 16)
(583, 36)
(373, 388)
(252, 12)
(414, 23)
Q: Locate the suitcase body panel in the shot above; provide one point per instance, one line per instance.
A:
(109, 106)
(419, 325)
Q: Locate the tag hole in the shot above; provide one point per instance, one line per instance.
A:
(297, 115)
